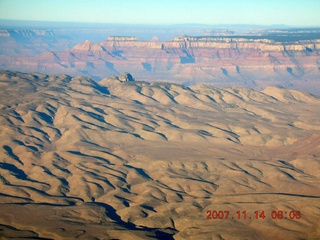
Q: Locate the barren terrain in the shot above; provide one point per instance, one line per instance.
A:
(138, 160)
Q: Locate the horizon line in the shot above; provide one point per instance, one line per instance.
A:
(21, 21)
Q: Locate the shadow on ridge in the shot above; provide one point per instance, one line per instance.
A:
(11, 154)
(166, 233)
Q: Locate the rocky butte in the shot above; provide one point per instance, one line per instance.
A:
(252, 61)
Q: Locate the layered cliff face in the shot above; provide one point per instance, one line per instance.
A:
(241, 61)
(25, 33)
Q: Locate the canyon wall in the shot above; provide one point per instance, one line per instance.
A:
(220, 61)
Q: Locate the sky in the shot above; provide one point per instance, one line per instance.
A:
(258, 12)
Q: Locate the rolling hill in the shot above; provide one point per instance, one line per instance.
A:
(156, 160)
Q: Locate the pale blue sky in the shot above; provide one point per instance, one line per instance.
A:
(267, 12)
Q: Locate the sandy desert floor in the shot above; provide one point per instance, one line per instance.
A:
(137, 160)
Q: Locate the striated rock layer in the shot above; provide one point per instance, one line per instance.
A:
(221, 61)
(138, 160)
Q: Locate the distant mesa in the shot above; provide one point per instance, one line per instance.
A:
(122, 38)
(219, 32)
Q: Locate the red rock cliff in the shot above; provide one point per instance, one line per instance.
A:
(212, 60)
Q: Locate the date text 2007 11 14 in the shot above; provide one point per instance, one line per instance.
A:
(214, 214)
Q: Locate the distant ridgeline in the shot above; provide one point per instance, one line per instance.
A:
(27, 33)
(124, 38)
(282, 58)
(271, 42)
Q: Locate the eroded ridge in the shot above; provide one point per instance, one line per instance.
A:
(138, 160)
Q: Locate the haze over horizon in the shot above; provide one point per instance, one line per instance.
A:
(293, 13)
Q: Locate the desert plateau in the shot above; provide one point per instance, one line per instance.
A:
(116, 159)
